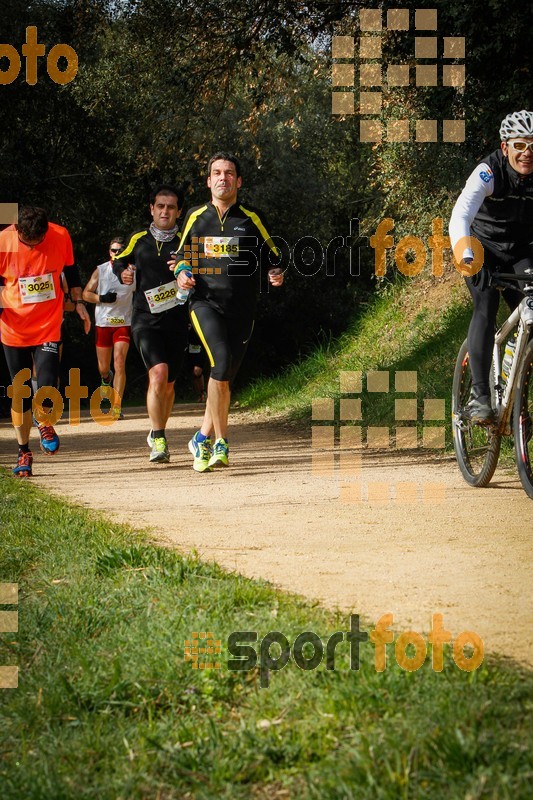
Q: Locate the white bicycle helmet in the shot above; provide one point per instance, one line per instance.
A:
(518, 124)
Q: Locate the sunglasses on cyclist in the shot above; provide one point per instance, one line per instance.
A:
(521, 147)
(116, 249)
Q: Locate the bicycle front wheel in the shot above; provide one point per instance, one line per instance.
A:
(477, 447)
(523, 421)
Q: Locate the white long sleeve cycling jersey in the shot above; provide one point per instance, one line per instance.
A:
(478, 187)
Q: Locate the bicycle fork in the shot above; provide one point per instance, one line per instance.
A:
(522, 319)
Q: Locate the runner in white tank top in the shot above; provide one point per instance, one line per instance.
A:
(113, 304)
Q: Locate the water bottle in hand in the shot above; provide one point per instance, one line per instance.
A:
(182, 295)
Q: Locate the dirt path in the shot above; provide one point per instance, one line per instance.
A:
(466, 555)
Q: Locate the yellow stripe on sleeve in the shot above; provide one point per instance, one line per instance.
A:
(198, 330)
(262, 230)
(131, 244)
(190, 222)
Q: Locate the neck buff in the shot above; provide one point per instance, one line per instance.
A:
(163, 236)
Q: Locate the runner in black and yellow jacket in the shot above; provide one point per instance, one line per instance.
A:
(159, 323)
(224, 245)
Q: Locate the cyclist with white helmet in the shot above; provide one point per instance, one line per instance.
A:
(496, 207)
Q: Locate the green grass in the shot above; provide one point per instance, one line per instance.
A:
(107, 707)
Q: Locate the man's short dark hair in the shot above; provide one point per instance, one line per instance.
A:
(221, 156)
(32, 222)
(166, 188)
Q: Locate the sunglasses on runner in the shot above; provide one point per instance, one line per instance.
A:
(116, 249)
(521, 147)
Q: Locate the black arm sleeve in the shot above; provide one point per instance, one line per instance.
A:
(119, 265)
(270, 256)
(122, 261)
(72, 276)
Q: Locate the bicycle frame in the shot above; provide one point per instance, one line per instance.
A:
(477, 445)
(521, 319)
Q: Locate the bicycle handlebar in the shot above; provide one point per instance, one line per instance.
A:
(509, 279)
(519, 276)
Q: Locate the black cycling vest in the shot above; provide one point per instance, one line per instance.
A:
(505, 220)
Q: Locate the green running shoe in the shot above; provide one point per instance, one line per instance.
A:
(160, 454)
(220, 454)
(202, 453)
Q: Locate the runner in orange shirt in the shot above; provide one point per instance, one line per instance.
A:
(33, 254)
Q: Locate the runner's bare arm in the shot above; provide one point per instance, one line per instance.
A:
(75, 292)
(89, 293)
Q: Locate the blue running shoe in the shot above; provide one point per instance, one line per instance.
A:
(24, 465)
(49, 440)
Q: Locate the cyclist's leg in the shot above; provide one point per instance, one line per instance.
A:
(480, 339)
(513, 296)
(481, 334)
